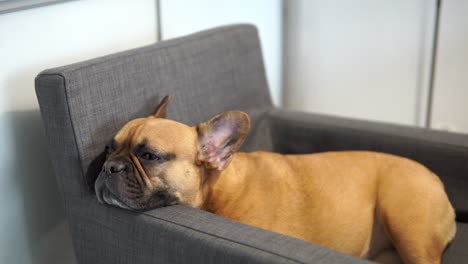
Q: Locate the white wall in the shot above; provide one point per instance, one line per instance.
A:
(451, 80)
(179, 17)
(364, 59)
(32, 223)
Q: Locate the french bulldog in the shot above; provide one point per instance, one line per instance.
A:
(367, 204)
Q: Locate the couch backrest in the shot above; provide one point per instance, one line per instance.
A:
(83, 105)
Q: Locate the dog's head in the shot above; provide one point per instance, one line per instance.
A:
(154, 162)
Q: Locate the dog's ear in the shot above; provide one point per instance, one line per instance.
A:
(160, 111)
(220, 137)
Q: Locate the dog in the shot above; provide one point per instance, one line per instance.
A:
(366, 204)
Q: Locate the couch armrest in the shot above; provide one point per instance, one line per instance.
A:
(444, 153)
(179, 234)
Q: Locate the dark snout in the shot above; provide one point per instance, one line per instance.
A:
(115, 166)
(119, 184)
(116, 183)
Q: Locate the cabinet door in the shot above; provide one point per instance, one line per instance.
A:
(180, 17)
(450, 103)
(363, 59)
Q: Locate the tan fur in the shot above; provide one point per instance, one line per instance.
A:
(331, 199)
(360, 203)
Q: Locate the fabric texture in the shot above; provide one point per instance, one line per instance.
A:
(83, 105)
(179, 234)
(457, 251)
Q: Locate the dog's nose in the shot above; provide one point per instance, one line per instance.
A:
(115, 167)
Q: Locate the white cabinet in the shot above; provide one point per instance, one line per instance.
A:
(450, 104)
(364, 59)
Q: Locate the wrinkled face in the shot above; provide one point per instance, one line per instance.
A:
(150, 163)
(154, 162)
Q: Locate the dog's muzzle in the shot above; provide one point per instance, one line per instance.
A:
(107, 178)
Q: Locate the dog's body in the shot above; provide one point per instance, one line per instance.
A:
(340, 200)
(364, 204)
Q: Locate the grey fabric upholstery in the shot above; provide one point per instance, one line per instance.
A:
(457, 251)
(84, 104)
(179, 234)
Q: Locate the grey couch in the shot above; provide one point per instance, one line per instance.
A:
(84, 104)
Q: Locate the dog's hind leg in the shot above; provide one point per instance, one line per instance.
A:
(417, 242)
(416, 213)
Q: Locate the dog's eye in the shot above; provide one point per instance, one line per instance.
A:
(150, 156)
